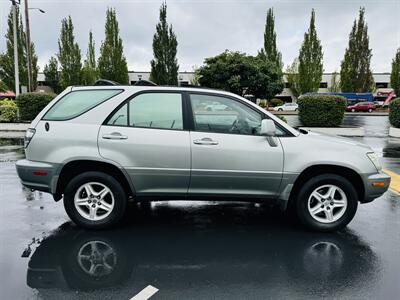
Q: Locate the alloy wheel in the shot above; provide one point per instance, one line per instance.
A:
(327, 203)
(94, 201)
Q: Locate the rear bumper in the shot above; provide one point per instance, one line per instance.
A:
(373, 192)
(37, 175)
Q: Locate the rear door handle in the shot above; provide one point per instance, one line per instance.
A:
(205, 141)
(114, 136)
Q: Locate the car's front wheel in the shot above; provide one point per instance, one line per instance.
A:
(95, 200)
(326, 202)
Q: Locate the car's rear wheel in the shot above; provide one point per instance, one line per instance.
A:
(326, 202)
(370, 110)
(353, 110)
(95, 200)
(280, 109)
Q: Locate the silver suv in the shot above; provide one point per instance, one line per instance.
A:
(101, 147)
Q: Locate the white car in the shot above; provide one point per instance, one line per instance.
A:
(287, 107)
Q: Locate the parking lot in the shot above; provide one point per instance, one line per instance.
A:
(197, 250)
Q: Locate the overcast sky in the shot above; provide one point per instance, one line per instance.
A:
(205, 28)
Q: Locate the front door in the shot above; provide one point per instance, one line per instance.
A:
(229, 157)
(146, 137)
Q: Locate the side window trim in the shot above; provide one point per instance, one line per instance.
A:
(155, 91)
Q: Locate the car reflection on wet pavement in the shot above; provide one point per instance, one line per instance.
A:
(195, 250)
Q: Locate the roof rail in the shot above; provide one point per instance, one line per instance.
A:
(105, 82)
(145, 83)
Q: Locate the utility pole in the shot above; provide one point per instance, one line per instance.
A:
(16, 70)
(28, 48)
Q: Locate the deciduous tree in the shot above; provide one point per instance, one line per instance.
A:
(241, 74)
(89, 71)
(69, 55)
(164, 65)
(112, 63)
(51, 74)
(7, 73)
(270, 50)
(310, 60)
(355, 73)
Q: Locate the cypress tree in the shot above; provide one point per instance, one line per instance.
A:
(69, 55)
(7, 73)
(164, 66)
(395, 74)
(310, 60)
(51, 74)
(355, 73)
(89, 70)
(270, 51)
(112, 63)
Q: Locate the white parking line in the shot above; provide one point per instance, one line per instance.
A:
(146, 293)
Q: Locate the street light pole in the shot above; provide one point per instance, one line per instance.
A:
(16, 70)
(28, 48)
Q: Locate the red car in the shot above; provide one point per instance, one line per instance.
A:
(361, 106)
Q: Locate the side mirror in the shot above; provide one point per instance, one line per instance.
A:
(267, 127)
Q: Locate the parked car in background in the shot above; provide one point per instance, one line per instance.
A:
(287, 107)
(361, 106)
(104, 146)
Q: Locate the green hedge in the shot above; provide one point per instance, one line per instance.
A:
(394, 115)
(321, 110)
(8, 111)
(30, 104)
(275, 102)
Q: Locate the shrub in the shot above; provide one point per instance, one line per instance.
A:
(275, 102)
(321, 110)
(8, 111)
(394, 115)
(30, 104)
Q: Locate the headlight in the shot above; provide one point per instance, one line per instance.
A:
(373, 157)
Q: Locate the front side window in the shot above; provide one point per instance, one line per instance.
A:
(223, 115)
(76, 103)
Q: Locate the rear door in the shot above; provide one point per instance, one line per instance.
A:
(146, 137)
(229, 157)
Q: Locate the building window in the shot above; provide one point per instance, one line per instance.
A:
(287, 85)
(133, 82)
(323, 85)
(381, 85)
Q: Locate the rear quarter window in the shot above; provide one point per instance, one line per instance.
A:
(76, 103)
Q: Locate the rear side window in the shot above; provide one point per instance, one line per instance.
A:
(76, 103)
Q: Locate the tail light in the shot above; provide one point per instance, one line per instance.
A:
(30, 132)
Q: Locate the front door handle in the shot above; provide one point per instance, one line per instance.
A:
(114, 136)
(205, 141)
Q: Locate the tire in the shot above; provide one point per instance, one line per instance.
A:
(280, 109)
(296, 109)
(108, 210)
(353, 110)
(370, 110)
(341, 216)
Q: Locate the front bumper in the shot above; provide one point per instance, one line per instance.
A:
(37, 175)
(373, 192)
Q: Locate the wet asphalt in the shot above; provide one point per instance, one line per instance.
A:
(195, 250)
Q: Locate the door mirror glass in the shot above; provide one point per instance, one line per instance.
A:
(267, 127)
